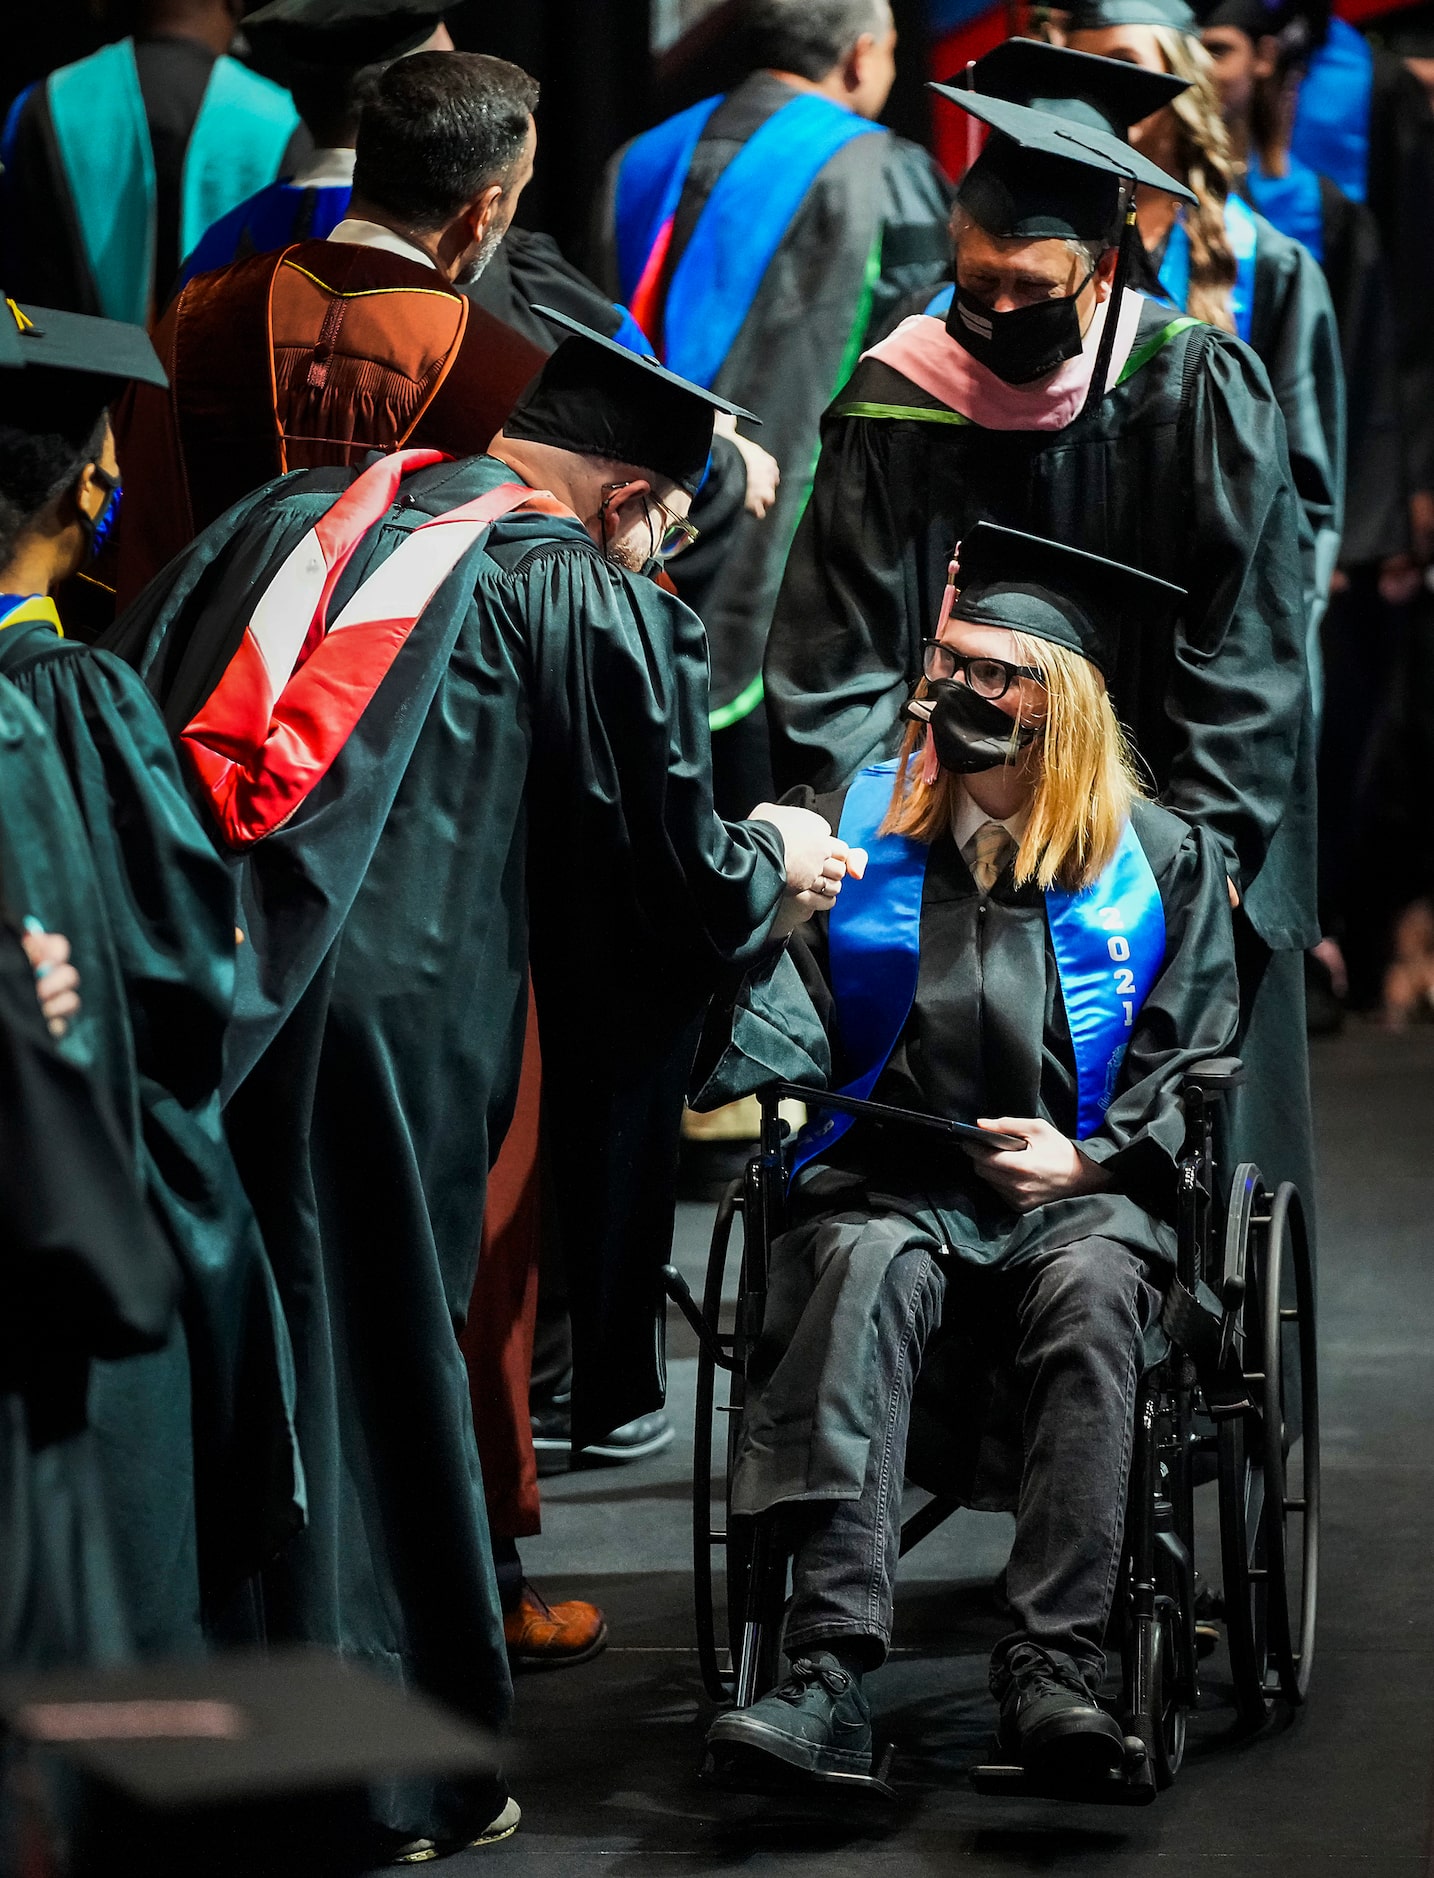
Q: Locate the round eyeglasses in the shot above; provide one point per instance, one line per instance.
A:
(988, 678)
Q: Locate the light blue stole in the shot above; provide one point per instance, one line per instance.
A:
(1108, 941)
(1243, 236)
(1292, 202)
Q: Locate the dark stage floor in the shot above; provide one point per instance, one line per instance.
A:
(605, 1756)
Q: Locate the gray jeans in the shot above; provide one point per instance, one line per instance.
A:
(1074, 1319)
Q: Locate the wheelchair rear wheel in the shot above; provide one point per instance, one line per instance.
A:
(707, 1538)
(756, 1569)
(1291, 1430)
(1271, 1584)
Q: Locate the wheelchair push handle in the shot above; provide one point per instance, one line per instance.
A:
(680, 1292)
(775, 1092)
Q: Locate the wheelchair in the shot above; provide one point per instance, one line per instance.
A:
(1230, 1395)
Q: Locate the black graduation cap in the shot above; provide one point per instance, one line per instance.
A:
(1056, 165)
(598, 398)
(342, 34)
(1089, 16)
(237, 1764)
(1055, 78)
(75, 366)
(1053, 592)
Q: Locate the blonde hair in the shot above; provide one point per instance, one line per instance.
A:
(1207, 164)
(1084, 791)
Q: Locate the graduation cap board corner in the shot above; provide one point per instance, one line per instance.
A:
(644, 362)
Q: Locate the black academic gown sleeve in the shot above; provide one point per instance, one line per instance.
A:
(529, 269)
(1294, 331)
(1376, 510)
(915, 242)
(620, 791)
(1239, 693)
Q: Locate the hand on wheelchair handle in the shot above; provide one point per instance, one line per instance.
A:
(1049, 1167)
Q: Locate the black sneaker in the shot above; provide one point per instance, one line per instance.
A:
(553, 1439)
(816, 1722)
(1050, 1721)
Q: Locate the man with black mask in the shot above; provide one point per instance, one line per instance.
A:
(1053, 400)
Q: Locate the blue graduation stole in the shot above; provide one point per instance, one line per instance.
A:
(97, 110)
(742, 224)
(1242, 233)
(1331, 131)
(1108, 940)
(1292, 202)
(268, 221)
(649, 187)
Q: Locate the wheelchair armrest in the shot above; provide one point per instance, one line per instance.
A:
(1213, 1075)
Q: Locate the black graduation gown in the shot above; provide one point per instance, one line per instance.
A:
(987, 1036)
(871, 228)
(1401, 199)
(545, 703)
(170, 912)
(1376, 509)
(83, 1276)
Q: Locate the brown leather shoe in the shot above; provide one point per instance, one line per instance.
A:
(551, 1636)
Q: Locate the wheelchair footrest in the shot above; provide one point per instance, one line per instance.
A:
(1123, 1787)
(753, 1773)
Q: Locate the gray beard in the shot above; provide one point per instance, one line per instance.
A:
(488, 247)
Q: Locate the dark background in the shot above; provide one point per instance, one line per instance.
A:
(591, 57)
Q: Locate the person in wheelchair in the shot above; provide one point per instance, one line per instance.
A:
(1036, 945)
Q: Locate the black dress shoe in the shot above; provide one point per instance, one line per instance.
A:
(553, 1439)
(816, 1722)
(1050, 1721)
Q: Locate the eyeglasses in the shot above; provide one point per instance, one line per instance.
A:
(677, 532)
(988, 678)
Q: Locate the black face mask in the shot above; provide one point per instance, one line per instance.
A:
(970, 732)
(1023, 344)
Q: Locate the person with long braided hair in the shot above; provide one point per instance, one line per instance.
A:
(1221, 262)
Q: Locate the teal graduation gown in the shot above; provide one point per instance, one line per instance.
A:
(83, 1276)
(532, 778)
(167, 908)
(97, 1550)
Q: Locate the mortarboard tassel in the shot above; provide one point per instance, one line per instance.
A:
(1112, 317)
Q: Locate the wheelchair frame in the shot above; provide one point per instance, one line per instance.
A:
(1240, 1316)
